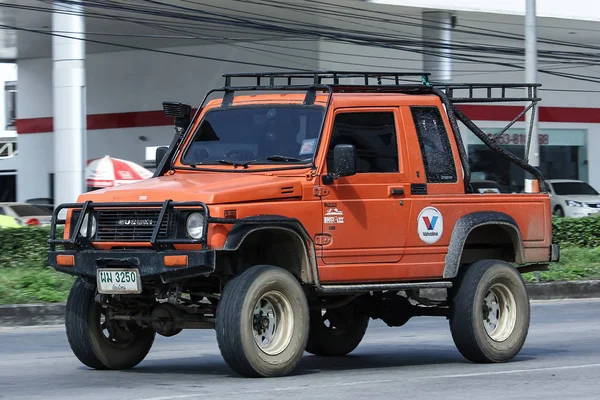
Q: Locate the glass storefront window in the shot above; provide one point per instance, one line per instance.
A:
(563, 155)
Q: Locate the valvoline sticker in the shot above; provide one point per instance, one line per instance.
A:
(430, 225)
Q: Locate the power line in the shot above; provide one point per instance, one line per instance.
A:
(146, 49)
(349, 39)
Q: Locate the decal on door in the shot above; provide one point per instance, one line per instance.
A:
(334, 216)
(430, 225)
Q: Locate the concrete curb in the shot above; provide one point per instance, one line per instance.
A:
(49, 314)
(32, 314)
(564, 290)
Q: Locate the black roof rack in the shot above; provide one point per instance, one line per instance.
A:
(381, 81)
(317, 77)
(400, 82)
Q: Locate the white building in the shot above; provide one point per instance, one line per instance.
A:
(153, 57)
(8, 132)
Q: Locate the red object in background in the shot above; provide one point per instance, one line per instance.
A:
(108, 171)
(33, 221)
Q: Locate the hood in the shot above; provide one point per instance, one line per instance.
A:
(210, 188)
(586, 198)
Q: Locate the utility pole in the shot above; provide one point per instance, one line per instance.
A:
(531, 77)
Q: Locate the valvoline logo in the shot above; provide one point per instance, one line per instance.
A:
(430, 225)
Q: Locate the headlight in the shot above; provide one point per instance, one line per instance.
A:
(573, 203)
(84, 226)
(195, 225)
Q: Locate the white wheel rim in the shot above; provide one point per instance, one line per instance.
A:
(499, 312)
(273, 323)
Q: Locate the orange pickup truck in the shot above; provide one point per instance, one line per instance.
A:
(292, 208)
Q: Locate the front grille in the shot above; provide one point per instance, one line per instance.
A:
(130, 225)
(593, 205)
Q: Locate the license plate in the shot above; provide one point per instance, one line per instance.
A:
(118, 281)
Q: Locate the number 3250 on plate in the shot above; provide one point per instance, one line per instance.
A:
(118, 281)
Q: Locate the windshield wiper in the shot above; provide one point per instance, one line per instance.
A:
(235, 164)
(245, 164)
(274, 158)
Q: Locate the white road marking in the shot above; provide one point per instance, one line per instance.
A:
(376, 381)
(566, 301)
(276, 389)
(519, 371)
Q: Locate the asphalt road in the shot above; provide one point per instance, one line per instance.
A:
(560, 360)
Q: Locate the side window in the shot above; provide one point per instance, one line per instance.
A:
(435, 145)
(373, 134)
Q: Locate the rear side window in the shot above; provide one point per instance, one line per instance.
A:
(373, 135)
(435, 145)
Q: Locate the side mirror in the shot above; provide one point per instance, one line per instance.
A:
(344, 160)
(344, 163)
(160, 154)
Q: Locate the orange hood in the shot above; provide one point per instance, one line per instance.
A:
(211, 188)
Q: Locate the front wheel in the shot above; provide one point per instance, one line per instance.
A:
(97, 341)
(262, 322)
(490, 312)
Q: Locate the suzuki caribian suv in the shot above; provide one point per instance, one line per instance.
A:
(288, 217)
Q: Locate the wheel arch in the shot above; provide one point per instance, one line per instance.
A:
(471, 240)
(250, 236)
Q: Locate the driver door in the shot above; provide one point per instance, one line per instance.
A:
(365, 216)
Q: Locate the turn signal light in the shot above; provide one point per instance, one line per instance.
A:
(230, 213)
(176, 261)
(65, 260)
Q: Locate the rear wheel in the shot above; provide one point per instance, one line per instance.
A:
(98, 342)
(490, 312)
(262, 322)
(336, 332)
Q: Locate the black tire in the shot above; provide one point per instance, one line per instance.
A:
(88, 341)
(559, 212)
(469, 307)
(236, 319)
(341, 336)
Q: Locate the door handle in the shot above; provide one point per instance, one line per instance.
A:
(396, 191)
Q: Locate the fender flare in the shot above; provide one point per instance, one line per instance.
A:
(465, 225)
(246, 226)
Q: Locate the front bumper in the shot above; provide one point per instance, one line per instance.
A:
(151, 263)
(581, 212)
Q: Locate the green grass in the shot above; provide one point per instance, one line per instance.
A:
(34, 283)
(575, 264)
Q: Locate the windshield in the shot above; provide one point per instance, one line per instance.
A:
(261, 135)
(573, 188)
(30, 211)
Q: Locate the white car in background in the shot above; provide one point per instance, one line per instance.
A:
(573, 198)
(27, 214)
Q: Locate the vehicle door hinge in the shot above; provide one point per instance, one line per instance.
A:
(311, 174)
(321, 191)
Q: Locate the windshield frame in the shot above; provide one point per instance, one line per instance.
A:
(215, 166)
